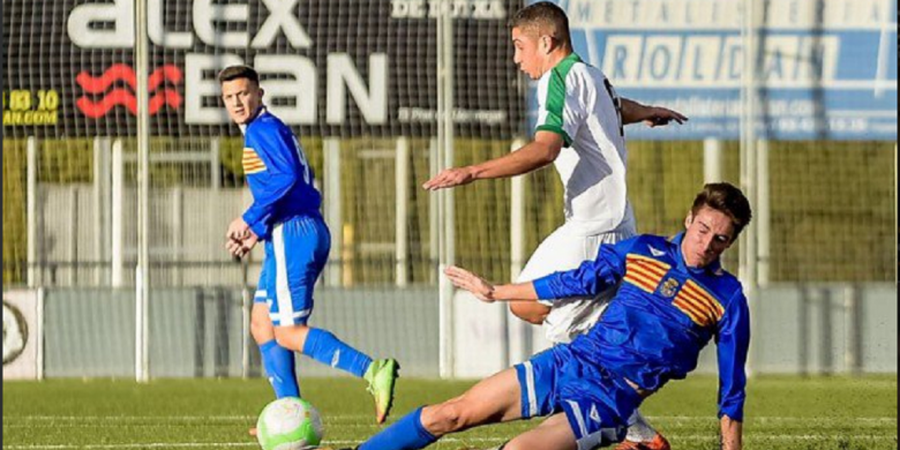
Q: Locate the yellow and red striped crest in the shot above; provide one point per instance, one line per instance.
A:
(698, 304)
(251, 162)
(644, 272)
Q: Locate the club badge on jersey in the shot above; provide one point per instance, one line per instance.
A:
(669, 287)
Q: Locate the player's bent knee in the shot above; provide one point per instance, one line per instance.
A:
(283, 340)
(448, 417)
(261, 329)
(258, 333)
(292, 337)
(441, 419)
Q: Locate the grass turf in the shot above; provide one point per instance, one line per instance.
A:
(784, 413)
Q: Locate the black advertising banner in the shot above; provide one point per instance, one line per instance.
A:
(329, 67)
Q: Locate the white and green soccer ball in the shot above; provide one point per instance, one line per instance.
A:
(289, 423)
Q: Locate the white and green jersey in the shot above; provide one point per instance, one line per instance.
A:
(576, 101)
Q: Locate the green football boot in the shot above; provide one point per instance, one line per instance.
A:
(382, 375)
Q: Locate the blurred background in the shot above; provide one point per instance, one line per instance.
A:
(113, 221)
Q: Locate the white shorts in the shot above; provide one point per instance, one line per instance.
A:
(566, 249)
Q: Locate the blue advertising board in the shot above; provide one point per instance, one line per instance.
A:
(828, 69)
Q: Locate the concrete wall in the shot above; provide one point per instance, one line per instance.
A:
(199, 331)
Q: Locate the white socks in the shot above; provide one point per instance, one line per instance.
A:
(639, 430)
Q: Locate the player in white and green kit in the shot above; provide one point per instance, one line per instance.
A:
(580, 130)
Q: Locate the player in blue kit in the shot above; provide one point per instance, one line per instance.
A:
(674, 298)
(285, 215)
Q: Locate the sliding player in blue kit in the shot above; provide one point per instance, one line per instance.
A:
(285, 215)
(674, 298)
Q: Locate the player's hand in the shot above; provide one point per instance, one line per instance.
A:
(468, 281)
(456, 176)
(238, 229)
(659, 116)
(240, 248)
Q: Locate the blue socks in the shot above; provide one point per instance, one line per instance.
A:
(408, 433)
(279, 364)
(327, 349)
(320, 345)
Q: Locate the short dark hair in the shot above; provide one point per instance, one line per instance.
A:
(240, 71)
(728, 199)
(545, 16)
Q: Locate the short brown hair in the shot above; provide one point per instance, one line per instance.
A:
(240, 71)
(728, 199)
(544, 16)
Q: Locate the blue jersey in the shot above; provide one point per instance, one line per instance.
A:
(662, 316)
(279, 176)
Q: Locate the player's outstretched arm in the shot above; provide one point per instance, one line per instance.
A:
(488, 292)
(732, 433)
(634, 112)
(538, 153)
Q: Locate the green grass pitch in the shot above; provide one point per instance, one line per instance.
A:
(783, 413)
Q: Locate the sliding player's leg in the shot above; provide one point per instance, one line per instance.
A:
(494, 399)
(554, 433)
(596, 402)
(583, 424)
(642, 436)
(587, 423)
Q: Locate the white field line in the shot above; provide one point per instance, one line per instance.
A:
(368, 417)
(353, 421)
(150, 445)
(485, 441)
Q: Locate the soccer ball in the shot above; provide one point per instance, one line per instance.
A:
(289, 423)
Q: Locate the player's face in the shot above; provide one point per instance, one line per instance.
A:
(242, 99)
(708, 234)
(527, 53)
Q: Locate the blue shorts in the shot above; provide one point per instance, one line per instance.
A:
(596, 402)
(295, 256)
